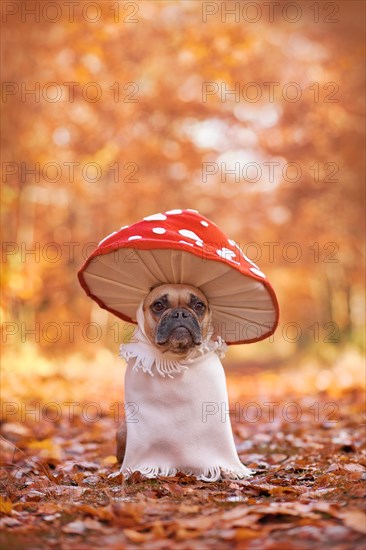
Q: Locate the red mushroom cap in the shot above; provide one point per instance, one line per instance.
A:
(182, 247)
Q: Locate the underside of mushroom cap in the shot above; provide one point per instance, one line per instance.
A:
(182, 247)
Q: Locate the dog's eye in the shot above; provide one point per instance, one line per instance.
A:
(158, 306)
(199, 306)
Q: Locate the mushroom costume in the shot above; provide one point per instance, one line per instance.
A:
(177, 409)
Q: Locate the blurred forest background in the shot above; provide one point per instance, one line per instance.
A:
(116, 110)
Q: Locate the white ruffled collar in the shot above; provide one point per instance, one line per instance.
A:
(150, 360)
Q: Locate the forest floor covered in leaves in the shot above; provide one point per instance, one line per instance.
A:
(307, 450)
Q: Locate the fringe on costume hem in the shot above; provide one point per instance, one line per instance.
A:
(213, 473)
(163, 367)
(167, 366)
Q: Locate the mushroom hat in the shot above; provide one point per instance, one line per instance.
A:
(182, 247)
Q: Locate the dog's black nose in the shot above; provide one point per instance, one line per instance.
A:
(180, 313)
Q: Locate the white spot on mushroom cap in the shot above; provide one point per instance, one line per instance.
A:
(191, 210)
(250, 261)
(134, 237)
(226, 253)
(185, 242)
(107, 237)
(189, 234)
(242, 253)
(155, 218)
(159, 230)
(257, 272)
(199, 243)
(177, 211)
(205, 224)
(124, 227)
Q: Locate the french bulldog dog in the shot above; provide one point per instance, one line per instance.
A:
(169, 433)
(177, 319)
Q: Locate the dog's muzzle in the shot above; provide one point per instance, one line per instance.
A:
(179, 325)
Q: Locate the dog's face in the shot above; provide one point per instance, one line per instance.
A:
(177, 317)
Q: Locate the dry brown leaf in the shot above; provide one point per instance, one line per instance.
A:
(277, 457)
(279, 491)
(76, 527)
(9, 522)
(103, 512)
(276, 490)
(136, 536)
(201, 523)
(48, 448)
(6, 506)
(188, 508)
(234, 514)
(15, 428)
(335, 467)
(351, 467)
(355, 519)
(243, 533)
(158, 530)
(186, 534)
(325, 507)
(48, 508)
(110, 460)
(94, 525)
(287, 508)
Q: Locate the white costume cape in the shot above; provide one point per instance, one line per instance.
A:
(177, 412)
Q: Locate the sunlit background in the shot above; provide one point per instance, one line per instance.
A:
(134, 108)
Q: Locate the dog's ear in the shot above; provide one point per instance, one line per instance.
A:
(154, 286)
(146, 295)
